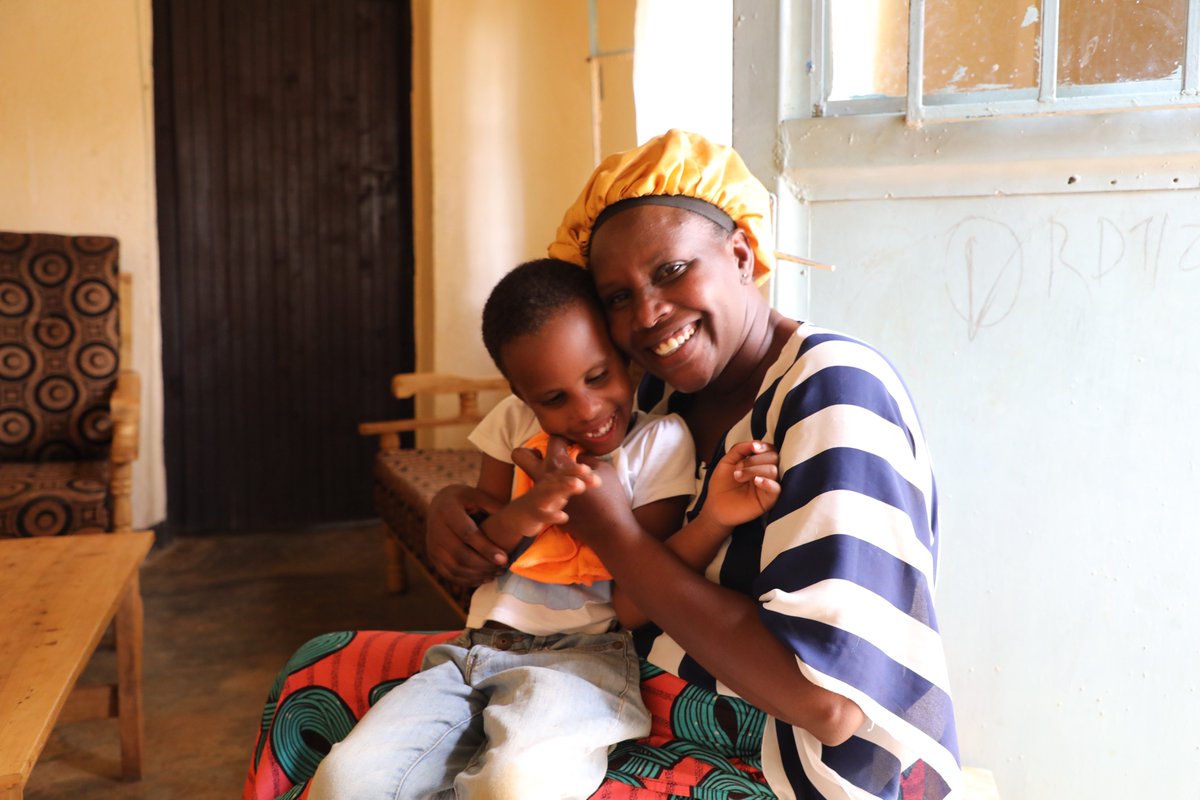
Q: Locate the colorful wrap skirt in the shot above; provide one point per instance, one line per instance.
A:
(701, 745)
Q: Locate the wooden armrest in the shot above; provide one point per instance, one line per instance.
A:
(125, 406)
(408, 384)
(389, 431)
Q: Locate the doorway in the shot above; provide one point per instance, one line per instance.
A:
(285, 228)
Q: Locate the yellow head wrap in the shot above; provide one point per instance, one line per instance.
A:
(676, 163)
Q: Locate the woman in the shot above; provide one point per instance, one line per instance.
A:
(820, 613)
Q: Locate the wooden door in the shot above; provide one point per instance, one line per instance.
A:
(286, 259)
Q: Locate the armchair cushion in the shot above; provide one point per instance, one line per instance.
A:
(59, 346)
(67, 396)
(54, 498)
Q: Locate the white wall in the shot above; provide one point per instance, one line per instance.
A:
(684, 87)
(77, 156)
(502, 144)
(1037, 284)
(1049, 342)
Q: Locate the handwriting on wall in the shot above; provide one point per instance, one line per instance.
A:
(991, 267)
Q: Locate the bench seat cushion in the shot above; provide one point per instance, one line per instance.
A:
(405, 483)
(417, 475)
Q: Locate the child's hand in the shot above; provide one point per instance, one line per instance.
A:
(744, 484)
(557, 461)
(543, 504)
(557, 478)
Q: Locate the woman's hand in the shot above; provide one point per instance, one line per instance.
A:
(456, 547)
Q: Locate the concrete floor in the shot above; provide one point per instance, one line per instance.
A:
(223, 613)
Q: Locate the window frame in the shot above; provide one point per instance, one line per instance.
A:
(804, 159)
(1047, 98)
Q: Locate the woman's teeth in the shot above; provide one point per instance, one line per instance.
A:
(600, 433)
(668, 346)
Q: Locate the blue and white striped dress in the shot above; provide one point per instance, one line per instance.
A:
(843, 567)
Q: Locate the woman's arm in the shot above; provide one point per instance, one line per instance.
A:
(527, 515)
(470, 529)
(658, 520)
(732, 643)
(457, 548)
(742, 487)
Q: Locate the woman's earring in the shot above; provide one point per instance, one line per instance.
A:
(745, 278)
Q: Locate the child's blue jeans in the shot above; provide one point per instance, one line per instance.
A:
(495, 714)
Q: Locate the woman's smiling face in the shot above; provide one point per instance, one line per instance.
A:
(672, 288)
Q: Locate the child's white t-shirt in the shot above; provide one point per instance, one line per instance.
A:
(657, 460)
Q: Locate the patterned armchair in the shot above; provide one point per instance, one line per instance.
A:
(68, 410)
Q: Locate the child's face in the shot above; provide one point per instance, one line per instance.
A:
(573, 378)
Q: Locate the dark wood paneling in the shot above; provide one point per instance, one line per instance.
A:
(286, 267)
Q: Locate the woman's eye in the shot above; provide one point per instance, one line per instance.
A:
(668, 271)
(599, 377)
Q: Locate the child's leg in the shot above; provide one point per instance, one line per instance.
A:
(552, 715)
(412, 742)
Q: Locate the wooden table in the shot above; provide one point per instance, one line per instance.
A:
(57, 597)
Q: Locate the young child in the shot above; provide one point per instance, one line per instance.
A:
(543, 681)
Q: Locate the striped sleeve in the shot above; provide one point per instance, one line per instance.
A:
(847, 565)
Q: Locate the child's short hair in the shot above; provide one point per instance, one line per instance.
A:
(528, 297)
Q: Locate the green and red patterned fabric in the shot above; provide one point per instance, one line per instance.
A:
(58, 366)
(701, 745)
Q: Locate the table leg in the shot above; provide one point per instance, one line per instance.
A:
(129, 679)
(12, 787)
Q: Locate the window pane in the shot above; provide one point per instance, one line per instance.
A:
(981, 46)
(868, 46)
(1112, 41)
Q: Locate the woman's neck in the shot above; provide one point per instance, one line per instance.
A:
(766, 336)
(716, 407)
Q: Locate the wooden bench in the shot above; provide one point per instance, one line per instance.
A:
(57, 596)
(405, 480)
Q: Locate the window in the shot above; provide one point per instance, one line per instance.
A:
(948, 59)
(822, 92)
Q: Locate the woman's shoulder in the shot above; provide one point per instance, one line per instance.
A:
(813, 348)
(653, 395)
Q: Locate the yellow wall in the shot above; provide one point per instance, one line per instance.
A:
(502, 145)
(77, 156)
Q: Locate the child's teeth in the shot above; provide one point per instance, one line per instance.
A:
(603, 431)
